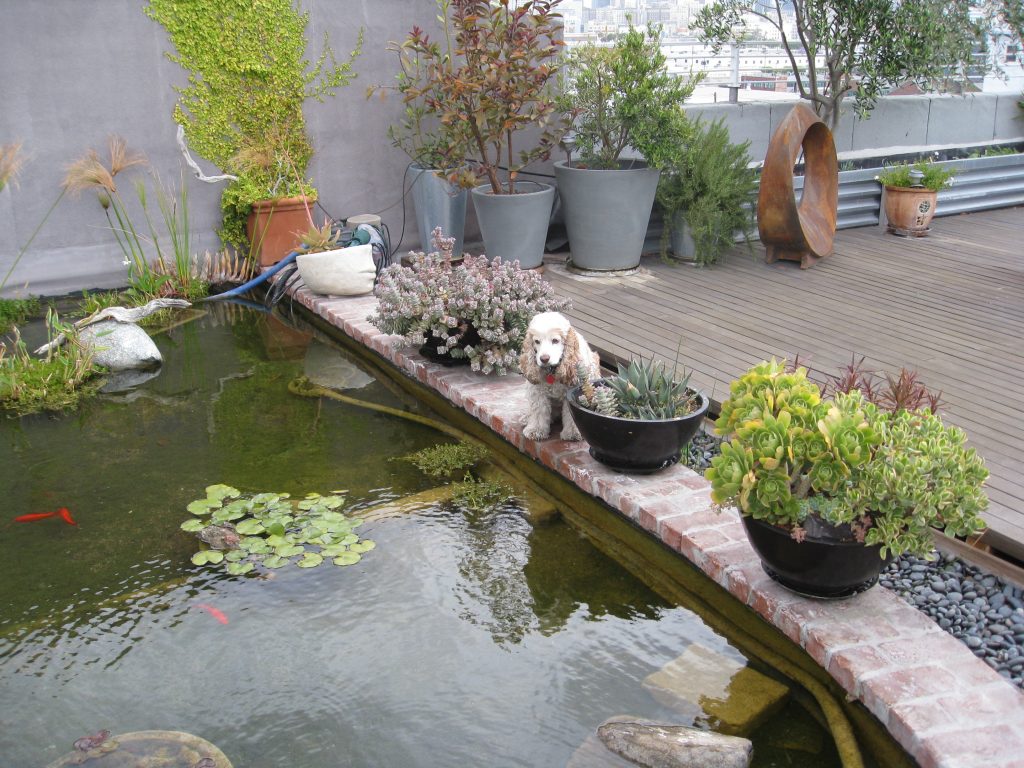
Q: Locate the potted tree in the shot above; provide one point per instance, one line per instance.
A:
(242, 109)
(705, 193)
(617, 98)
(829, 488)
(499, 82)
(419, 132)
(639, 420)
(475, 313)
(911, 194)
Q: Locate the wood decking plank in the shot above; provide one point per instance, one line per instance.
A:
(950, 306)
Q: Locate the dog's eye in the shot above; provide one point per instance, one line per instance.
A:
(556, 340)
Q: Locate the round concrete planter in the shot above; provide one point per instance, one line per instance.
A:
(438, 203)
(341, 272)
(515, 227)
(606, 214)
(681, 241)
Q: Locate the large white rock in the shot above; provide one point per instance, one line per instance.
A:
(120, 346)
(675, 746)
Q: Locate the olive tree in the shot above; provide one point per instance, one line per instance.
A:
(867, 46)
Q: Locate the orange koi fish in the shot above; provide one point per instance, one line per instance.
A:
(65, 515)
(215, 612)
(34, 516)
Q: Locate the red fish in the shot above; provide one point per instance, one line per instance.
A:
(215, 612)
(34, 516)
(65, 515)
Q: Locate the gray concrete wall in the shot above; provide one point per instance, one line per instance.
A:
(72, 72)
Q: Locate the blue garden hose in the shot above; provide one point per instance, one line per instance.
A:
(256, 280)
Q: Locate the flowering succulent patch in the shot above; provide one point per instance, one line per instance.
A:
(889, 475)
(449, 305)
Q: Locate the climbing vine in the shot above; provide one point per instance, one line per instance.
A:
(248, 78)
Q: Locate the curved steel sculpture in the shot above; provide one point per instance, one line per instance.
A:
(799, 232)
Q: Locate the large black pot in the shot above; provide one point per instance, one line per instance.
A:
(828, 563)
(470, 338)
(633, 445)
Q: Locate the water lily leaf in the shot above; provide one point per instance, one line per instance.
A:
(273, 561)
(355, 522)
(276, 540)
(194, 525)
(250, 527)
(341, 527)
(363, 546)
(265, 499)
(219, 492)
(203, 506)
(347, 558)
(350, 539)
(255, 545)
(312, 532)
(228, 513)
(238, 569)
(308, 503)
(312, 495)
(332, 502)
(334, 550)
(343, 490)
(311, 560)
(288, 550)
(235, 555)
(208, 557)
(275, 528)
(325, 541)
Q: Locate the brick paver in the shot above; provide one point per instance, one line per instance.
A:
(946, 707)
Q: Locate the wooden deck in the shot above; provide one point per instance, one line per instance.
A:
(950, 305)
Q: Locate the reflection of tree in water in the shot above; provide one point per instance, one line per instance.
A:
(517, 578)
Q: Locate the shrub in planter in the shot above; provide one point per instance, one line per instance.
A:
(477, 311)
(801, 464)
(911, 195)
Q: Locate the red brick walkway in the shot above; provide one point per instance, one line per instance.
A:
(942, 704)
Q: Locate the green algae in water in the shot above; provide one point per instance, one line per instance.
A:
(276, 530)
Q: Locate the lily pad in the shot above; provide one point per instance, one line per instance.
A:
(347, 558)
(203, 506)
(228, 513)
(208, 557)
(311, 533)
(238, 569)
(235, 555)
(350, 539)
(334, 550)
(265, 499)
(289, 550)
(250, 527)
(273, 561)
(332, 502)
(220, 491)
(363, 546)
(311, 560)
(276, 528)
(194, 525)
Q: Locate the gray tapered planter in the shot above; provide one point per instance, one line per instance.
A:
(515, 227)
(438, 203)
(606, 213)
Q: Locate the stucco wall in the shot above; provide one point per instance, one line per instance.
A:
(72, 72)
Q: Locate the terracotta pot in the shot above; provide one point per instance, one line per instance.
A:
(275, 227)
(909, 210)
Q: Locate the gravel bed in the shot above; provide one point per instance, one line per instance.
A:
(980, 609)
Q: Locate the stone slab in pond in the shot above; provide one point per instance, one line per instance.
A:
(655, 745)
(729, 696)
(168, 749)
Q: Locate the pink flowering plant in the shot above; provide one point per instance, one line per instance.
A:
(477, 310)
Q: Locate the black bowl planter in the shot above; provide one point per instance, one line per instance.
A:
(828, 563)
(429, 350)
(635, 446)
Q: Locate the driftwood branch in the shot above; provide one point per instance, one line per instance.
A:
(196, 170)
(120, 314)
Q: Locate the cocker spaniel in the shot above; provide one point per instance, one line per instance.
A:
(552, 351)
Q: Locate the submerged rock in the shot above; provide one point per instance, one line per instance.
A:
(675, 746)
(220, 537)
(120, 346)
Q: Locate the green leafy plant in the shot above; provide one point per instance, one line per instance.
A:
(867, 47)
(492, 79)
(708, 182)
(58, 382)
(478, 310)
(248, 81)
(270, 530)
(890, 476)
(935, 176)
(15, 311)
(447, 459)
(624, 96)
(644, 390)
(480, 495)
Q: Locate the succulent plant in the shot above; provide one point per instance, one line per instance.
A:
(644, 389)
(317, 239)
(889, 475)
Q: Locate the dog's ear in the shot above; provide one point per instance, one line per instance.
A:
(528, 360)
(570, 359)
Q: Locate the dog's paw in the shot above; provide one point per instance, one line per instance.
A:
(571, 434)
(533, 432)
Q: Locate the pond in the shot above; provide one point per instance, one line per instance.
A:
(497, 637)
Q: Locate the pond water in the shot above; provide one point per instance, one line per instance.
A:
(464, 638)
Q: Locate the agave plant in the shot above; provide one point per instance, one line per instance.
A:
(644, 390)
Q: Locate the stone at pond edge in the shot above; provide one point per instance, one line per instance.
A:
(120, 346)
(173, 749)
(675, 746)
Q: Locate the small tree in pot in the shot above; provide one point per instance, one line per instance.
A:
(617, 98)
(911, 195)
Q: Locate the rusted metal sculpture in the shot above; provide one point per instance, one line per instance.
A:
(799, 232)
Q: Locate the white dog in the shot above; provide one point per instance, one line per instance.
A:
(551, 353)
